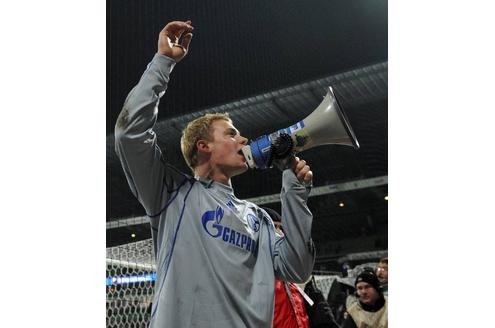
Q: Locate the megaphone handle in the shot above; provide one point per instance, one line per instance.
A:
(283, 163)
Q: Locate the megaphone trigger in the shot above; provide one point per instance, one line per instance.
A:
(284, 163)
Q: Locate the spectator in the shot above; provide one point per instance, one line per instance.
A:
(289, 310)
(319, 313)
(338, 293)
(371, 308)
(382, 274)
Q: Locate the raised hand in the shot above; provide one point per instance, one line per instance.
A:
(174, 39)
(302, 171)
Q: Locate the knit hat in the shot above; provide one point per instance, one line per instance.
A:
(273, 214)
(369, 277)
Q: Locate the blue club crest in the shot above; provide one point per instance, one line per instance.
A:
(253, 222)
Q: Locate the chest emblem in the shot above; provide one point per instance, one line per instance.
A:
(253, 222)
(212, 225)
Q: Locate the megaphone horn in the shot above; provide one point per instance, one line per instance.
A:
(326, 125)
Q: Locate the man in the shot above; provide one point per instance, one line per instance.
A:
(382, 274)
(289, 310)
(371, 308)
(217, 256)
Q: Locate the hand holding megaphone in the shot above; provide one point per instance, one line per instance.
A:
(302, 171)
(326, 125)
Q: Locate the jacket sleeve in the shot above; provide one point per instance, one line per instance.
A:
(294, 254)
(149, 178)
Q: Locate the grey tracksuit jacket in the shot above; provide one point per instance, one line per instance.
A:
(217, 256)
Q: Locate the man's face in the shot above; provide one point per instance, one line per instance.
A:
(382, 272)
(226, 148)
(367, 294)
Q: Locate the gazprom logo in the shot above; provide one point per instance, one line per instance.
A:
(211, 221)
(214, 229)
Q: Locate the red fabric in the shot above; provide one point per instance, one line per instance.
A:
(285, 314)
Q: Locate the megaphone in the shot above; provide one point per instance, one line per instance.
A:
(326, 125)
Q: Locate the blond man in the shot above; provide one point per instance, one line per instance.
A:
(217, 256)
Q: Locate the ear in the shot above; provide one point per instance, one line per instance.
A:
(203, 146)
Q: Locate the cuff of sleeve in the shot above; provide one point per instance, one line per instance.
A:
(290, 180)
(164, 63)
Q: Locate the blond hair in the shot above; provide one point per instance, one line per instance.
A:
(198, 129)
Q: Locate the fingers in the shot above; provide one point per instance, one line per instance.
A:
(186, 40)
(302, 170)
(308, 177)
(175, 29)
(174, 39)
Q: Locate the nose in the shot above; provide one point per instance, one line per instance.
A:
(243, 141)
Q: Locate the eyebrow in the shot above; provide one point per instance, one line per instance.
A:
(231, 130)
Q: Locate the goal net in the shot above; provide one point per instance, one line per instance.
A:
(130, 281)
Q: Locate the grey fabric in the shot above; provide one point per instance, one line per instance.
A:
(217, 256)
